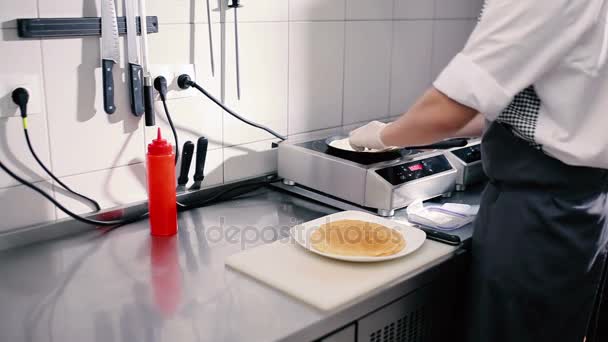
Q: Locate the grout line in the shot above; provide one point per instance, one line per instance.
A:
(343, 73)
(288, 72)
(390, 69)
(40, 181)
(433, 51)
(100, 170)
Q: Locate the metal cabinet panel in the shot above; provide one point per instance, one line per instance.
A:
(434, 312)
(345, 335)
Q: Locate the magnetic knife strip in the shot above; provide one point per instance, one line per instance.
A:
(74, 27)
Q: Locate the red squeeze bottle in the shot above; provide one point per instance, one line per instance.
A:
(161, 188)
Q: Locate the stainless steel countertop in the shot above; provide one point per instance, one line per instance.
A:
(124, 285)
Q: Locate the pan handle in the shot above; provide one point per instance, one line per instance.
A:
(442, 145)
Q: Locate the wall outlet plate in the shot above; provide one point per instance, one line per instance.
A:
(10, 82)
(171, 72)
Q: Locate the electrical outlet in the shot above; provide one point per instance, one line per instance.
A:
(171, 72)
(10, 82)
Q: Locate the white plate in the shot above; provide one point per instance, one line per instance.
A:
(414, 237)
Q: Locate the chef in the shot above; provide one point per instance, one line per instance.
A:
(535, 74)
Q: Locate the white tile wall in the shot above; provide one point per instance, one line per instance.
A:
(306, 10)
(264, 72)
(457, 9)
(449, 37)
(83, 138)
(309, 68)
(110, 188)
(414, 9)
(174, 11)
(367, 70)
(249, 160)
(411, 63)
(259, 10)
(316, 59)
(14, 152)
(9, 12)
(20, 65)
(369, 9)
(22, 206)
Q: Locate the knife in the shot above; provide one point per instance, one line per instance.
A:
(199, 168)
(135, 69)
(148, 90)
(110, 54)
(187, 153)
(235, 5)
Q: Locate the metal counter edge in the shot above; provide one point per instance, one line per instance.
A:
(23, 236)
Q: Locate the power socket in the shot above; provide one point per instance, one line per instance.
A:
(171, 72)
(10, 82)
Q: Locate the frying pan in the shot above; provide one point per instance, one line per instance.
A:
(369, 157)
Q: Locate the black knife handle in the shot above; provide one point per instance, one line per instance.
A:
(149, 102)
(187, 153)
(442, 145)
(201, 155)
(137, 93)
(446, 238)
(108, 85)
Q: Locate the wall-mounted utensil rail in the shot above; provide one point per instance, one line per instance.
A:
(74, 27)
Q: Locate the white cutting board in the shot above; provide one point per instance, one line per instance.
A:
(327, 283)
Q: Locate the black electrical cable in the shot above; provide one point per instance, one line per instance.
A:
(246, 187)
(162, 98)
(184, 82)
(113, 223)
(64, 209)
(20, 97)
(160, 84)
(29, 145)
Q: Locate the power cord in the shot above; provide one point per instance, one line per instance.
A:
(20, 97)
(160, 84)
(184, 82)
(64, 209)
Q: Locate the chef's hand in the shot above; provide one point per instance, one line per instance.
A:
(368, 136)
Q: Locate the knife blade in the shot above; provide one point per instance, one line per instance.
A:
(110, 53)
(135, 69)
(235, 5)
(148, 92)
(211, 56)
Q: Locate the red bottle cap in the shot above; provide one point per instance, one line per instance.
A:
(159, 146)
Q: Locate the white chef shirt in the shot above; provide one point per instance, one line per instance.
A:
(540, 66)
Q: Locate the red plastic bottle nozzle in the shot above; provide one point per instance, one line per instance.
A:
(161, 187)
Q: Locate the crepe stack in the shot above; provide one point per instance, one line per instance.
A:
(357, 238)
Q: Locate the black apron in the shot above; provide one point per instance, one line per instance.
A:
(539, 246)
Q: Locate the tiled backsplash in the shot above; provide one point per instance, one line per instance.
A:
(306, 66)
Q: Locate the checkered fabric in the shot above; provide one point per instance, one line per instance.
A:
(522, 115)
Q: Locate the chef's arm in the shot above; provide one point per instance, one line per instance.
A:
(433, 118)
(473, 129)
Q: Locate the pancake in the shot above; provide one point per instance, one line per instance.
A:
(344, 144)
(357, 238)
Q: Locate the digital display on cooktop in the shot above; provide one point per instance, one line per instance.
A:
(407, 172)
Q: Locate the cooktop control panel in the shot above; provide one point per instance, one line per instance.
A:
(469, 154)
(407, 172)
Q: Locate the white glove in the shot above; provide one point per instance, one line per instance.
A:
(368, 136)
